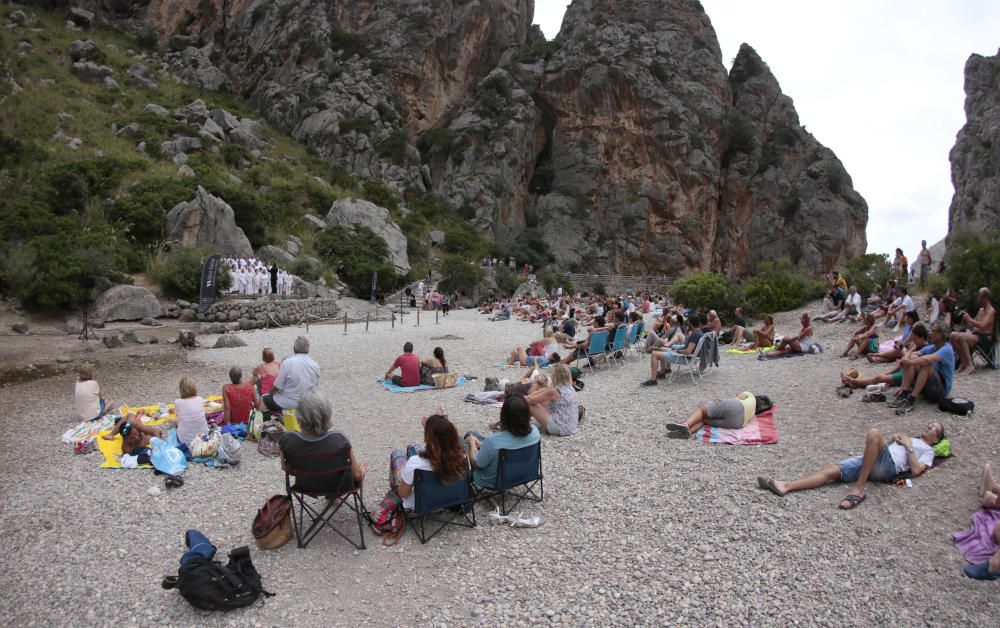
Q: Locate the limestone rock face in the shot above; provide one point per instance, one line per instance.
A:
(784, 193)
(207, 221)
(355, 212)
(126, 303)
(975, 158)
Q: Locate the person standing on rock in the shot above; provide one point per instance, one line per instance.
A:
(298, 375)
(924, 258)
(274, 278)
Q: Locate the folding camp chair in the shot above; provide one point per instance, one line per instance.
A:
(444, 504)
(596, 347)
(519, 471)
(693, 362)
(327, 477)
(991, 357)
(617, 351)
(630, 338)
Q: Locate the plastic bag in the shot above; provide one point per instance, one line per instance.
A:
(167, 459)
(229, 450)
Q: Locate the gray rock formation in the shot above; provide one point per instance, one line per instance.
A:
(975, 158)
(126, 303)
(229, 341)
(186, 338)
(81, 48)
(276, 254)
(355, 212)
(81, 17)
(91, 72)
(207, 221)
(139, 76)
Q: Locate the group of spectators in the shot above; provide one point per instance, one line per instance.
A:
(253, 277)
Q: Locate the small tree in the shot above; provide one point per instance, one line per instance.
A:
(865, 271)
(459, 274)
(708, 290)
(974, 263)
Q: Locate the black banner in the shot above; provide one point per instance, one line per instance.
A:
(208, 288)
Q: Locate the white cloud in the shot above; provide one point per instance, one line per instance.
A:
(879, 82)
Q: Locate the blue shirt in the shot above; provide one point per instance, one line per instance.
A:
(945, 366)
(485, 474)
(569, 327)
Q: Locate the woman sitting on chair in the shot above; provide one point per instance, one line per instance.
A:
(442, 453)
(515, 432)
(556, 408)
(314, 414)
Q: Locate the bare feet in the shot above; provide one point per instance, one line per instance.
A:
(969, 370)
(987, 483)
(778, 488)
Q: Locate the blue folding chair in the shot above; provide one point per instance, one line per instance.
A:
(519, 477)
(633, 331)
(438, 503)
(617, 351)
(596, 347)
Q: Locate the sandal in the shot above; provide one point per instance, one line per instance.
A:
(853, 502)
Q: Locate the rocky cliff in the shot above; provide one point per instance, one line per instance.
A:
(623, 145)
(975, 158)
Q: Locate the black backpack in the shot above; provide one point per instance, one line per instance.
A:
(957, 405)
(210, 585)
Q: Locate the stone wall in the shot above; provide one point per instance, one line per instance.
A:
(254, 313)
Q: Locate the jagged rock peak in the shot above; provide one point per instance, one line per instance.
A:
(975, 158)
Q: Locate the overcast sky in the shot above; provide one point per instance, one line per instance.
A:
(877, 81)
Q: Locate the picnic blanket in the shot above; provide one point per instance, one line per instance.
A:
(388, 385)
(165, 411)
(977, 544)
(736, 351)
(88, 430)
(760, 431)
(112, 449)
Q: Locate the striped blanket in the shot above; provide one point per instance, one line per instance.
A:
(760, 431)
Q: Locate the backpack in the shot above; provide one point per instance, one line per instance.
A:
(255, 424)
(389, 520)
(269, 434)
(272, 526)
(957, 405)
(210, 585)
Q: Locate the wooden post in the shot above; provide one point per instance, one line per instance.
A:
(345, 323)
(394, 320)
(435, 317)
(418, 317)
(366, 322)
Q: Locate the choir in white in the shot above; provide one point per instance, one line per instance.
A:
(252, 277)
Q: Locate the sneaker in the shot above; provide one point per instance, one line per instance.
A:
(873, 397)
(685, 435)
(907, 406)
(677, 427)
(649, 382)
(899, 401)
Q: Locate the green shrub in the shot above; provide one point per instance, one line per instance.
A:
(541, 48)
(179, 272)
(437, 139)
(777, 287)
(462, 240)
(553, 281)
(707, 290)
(837, 179)
(459, 275)
(348, 43)
(740, 136)
(600, 290)
(142, 211)
(355, 253)
(868, 270)
(974, 263)
(382, 196)
(393, 147)
(507, 281)
(70, 186)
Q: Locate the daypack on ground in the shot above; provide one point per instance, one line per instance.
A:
(208, 584)
(956, 405)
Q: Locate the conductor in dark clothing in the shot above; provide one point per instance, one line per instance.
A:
(274, 278)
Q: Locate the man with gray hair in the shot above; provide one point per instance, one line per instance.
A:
(297, 375)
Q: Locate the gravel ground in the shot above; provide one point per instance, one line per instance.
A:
(638, 528)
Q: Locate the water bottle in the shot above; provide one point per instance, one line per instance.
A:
(876, 388)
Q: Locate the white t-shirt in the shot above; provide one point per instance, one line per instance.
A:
(906, 302)
(922, 450)
(935, 311)
(190, 418)
(414, 463)
(854, 301)
(87, 400)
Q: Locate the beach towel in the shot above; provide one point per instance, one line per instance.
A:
(88, 430)
(977, 544)
(760, 431)
(165, 411)
(736, 351)
(388, 385)
(112, 450)
(492, 398)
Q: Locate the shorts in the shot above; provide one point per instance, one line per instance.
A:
(884, 469)
(537, 360)
(726, 414)
(271, 403)
(934, 390)
(672, 357)
(897, 378)
(873, 344)
(984, 342)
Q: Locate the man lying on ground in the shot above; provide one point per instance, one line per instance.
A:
(883, 460)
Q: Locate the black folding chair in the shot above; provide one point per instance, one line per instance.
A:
(326, 477)
(438, 503)
(519, 472)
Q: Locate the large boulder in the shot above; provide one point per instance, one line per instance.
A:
(208, 221)
(276, 254)
(355, 212)
(126, 303)
(228, 341)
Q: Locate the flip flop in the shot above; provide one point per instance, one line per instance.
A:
(768, 485)
(677, 427)
(853, 500)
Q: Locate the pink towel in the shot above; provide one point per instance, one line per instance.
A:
(977, 543)
(761, 430)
